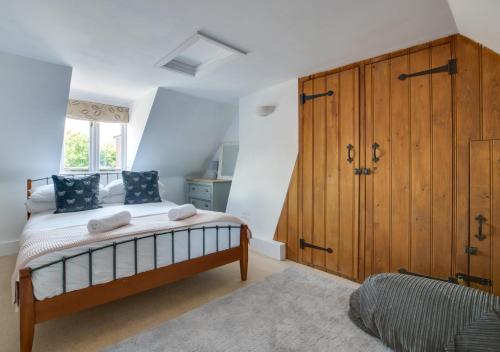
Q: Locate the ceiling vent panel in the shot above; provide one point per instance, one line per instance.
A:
(199, 54)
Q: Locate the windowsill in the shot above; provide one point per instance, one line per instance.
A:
(81, 172)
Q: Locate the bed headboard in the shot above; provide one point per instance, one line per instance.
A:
(106, 177)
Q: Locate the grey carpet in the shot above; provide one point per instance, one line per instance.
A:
(294, 310)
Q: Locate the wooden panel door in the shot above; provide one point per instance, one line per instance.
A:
(287, 228)
(329, 189)
(409, 148)
(485, 204)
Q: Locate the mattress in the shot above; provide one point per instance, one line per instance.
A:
(48, 281)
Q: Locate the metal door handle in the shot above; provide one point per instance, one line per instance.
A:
(375, 158)
(481, 220)
(350, 147)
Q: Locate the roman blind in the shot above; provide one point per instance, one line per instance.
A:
(90, 111)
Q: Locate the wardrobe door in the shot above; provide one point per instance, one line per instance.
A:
(409, 150)
(495, 216)
(484, 243)
(342, 185)
(329, 189)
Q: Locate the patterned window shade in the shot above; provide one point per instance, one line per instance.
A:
(89, 111)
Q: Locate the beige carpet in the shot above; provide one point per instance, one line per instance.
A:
(293, 310)
(103, 326)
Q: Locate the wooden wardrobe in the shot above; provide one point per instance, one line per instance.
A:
(379, 180)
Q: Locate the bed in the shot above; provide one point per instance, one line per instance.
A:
(61, 270)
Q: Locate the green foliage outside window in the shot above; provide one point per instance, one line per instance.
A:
(76, 150)
(108, 157)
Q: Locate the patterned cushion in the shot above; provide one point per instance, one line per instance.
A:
(76, 193)
(141, 187)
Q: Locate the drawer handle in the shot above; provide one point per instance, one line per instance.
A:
(480, 220)
(350, 147)
(375, 146)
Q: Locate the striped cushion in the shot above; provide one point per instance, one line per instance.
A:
(410, 313)
(481, 336)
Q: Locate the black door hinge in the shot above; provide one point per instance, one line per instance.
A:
(406, 272)
(304, 98)
(474, 279)
(304, 244)
(450, 67)
(471, 250)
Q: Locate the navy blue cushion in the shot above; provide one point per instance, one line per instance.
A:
(141, 187)
(76, 193)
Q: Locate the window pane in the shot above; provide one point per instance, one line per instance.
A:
(110, 142)
(76, 145)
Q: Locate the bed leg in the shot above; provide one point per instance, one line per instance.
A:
(244, 252)
(27, 310)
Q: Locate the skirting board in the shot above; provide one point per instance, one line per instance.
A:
(271, 248)
(9, 247)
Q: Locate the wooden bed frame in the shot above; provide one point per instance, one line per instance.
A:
(33, 311)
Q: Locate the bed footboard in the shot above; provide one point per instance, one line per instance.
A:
(26, 309)
(33, 311)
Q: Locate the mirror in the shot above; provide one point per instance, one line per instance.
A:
(227, 162)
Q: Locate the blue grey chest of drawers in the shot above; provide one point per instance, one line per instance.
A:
(208, 194)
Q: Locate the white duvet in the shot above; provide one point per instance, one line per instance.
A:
(48, 282)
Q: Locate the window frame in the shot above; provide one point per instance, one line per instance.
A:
(94, 149)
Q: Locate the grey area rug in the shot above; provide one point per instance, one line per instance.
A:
(294, 310)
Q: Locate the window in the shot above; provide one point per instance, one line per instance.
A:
(110, 146)
(76, 145)
(93, 146)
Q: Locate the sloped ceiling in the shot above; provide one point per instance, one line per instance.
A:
(113, 45)
(34, 97)
(478, 20)
(182, 133)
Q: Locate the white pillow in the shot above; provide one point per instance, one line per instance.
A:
(103, 193)
(115, 188)
(118, 198)
(162, 190)
(34, 207)
(43, 193)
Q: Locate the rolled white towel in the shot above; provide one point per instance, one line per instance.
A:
(181, 212)
(110, 222)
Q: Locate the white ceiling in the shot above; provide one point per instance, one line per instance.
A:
(113, 45)
(478, 20)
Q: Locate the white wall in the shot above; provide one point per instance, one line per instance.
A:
(268, 150)
(33, 98)
(181, 135)
(478, 20)
(232, 135)
(233, 132)
(138, 117)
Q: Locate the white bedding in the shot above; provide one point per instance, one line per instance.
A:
(47, 282)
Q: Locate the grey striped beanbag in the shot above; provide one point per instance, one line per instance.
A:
(410, 313)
